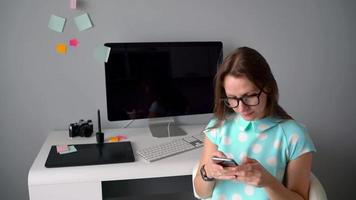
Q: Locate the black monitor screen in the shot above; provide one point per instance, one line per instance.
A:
(146, 80)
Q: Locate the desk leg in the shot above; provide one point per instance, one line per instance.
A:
(67, 191)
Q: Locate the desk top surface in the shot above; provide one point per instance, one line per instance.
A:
(178, 165)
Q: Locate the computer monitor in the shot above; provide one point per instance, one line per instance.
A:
(160, 79)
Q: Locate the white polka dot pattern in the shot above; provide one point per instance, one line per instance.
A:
(294, 139)
(272, 161)
(222, 197)
(249, 190)
(262, 136)
(236, 197)
(226, 140)
(243, 137)
(262, 127)
(213, 132)
(277, 144)
(256, 148)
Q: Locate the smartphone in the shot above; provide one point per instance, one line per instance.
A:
(225, 162)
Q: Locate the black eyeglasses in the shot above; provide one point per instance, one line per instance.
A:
(248, 100)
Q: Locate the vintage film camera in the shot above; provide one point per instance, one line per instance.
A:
(81, 128)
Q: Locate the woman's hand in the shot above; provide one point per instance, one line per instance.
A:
(216, 171)
(253, 173)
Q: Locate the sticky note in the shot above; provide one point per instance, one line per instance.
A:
(83, 22)
(62, 148)
(122, 137)
(117, 138)
(114, 139)
(73, 4)
(101, 53)
(73, 42)
(56, 23)
(61, 48)
(71, 149)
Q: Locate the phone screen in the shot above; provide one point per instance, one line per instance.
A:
(225, 162)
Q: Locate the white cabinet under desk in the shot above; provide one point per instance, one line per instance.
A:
(89, 182)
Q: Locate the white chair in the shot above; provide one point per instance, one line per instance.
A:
(316, 191)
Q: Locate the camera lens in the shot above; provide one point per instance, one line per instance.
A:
(85, 130)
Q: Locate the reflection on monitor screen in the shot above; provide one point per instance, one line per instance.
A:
(162, 79)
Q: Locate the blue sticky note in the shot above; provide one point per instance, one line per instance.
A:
(56, 23)
(83, 22)
(101, 53)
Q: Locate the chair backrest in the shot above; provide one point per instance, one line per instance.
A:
(316, 190)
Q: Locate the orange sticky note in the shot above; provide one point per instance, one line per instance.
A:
(61, 48)
(114, 139)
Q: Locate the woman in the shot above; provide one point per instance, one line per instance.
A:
(273, 151)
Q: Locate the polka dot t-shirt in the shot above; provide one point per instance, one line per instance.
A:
(272, 142)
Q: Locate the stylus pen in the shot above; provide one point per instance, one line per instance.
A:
(99, 122)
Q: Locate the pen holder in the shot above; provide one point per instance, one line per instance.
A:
(100, 137)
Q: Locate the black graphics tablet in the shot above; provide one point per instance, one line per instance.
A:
(92, 154)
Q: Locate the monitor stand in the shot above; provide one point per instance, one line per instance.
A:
(164, 127)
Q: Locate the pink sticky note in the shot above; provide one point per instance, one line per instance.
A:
(73, 42)
(122, 136)
(73, 4)
(62, 148)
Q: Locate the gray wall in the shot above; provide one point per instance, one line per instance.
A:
(310, 45)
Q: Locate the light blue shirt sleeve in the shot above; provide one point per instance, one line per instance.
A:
(213, 134)
(298, 139)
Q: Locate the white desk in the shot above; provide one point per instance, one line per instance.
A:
(84, 182)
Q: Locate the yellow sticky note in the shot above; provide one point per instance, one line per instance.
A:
(61, 48)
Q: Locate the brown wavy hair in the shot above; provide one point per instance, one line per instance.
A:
(247, 62)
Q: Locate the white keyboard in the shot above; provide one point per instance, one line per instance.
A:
(171, 148)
